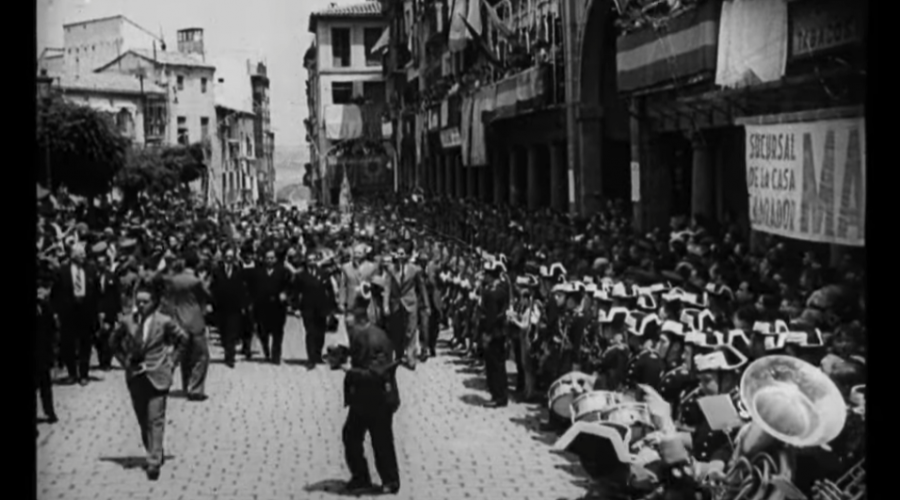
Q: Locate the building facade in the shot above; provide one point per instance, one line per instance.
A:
(265, 136)
(91, 44)
(136, 109)
(239, 182)
(190, 84)
(346, 94)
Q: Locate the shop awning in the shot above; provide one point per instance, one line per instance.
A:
(383, 41)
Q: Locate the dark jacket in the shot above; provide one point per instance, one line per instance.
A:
(317, 294)
(230, 293)
(370, 385)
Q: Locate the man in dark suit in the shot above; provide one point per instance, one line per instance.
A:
(406, 297)
(142, 345)
(110, 305)
(316, 304)
(271, 284)
(44, 348)
(370, 391)
(74, 298)
(185, 298)
(495, 300)
(231, 299)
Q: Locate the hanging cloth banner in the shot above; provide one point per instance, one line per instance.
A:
(807, 181)
(753, 42)
(465, 129)
(458, 32)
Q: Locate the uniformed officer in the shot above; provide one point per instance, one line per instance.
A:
(646, 366)
(370, 392)
(718, 372)
(495, 302)
(676, 354)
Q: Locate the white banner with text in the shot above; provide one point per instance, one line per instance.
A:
(807, 181)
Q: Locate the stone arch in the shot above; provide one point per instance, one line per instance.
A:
(604, 127)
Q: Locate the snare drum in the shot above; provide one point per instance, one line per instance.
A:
(564, 391)
(590, 407)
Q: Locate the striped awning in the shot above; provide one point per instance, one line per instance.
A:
(687, 47)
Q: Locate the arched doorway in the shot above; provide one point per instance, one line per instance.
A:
(604, 126)
(125, 122)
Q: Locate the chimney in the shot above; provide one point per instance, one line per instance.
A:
(190, 41)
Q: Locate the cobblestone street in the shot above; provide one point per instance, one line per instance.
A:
(274, 432)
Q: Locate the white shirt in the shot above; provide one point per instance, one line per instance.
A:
(146, 328)
(78, 276)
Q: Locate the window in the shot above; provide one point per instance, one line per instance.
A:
(204, 128)
(221, 80)
(179, 82)
(183, 138)
(370, 38)
(340, 47)
(374, 92)
(341, 92)
(203, 85)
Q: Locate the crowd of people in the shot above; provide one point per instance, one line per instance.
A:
(682, 310)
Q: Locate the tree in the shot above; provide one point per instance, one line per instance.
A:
(156, 170)
(86, 149)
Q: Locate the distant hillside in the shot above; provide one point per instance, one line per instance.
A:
(289, 161)
(292, 192)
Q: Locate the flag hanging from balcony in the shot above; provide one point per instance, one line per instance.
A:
(497, 23)
(458, 32)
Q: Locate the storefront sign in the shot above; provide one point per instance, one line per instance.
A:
(819, 26)
(450, 138)
(635, 181)
(807, 180)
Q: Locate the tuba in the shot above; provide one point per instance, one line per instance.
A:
(792, 404)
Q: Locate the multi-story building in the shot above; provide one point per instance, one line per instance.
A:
(500, 115)
(91, 44)
(346, 92)
(135, 106)
(236, 124)
(190, 92)
(265, 136)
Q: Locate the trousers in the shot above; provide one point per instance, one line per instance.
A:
(195, 365)
(314, 326)
(495, 368)
(379, 425)
(76, 339)
(271, 327)
(230, 325)
(150, 408)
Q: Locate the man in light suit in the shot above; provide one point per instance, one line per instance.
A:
(353, 274)
(185, 298)
(148, 344)
(405, 295)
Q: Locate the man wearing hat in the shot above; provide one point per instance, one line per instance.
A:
(75, 302)
(718, 372)
(231, 298)
(495, 302)
(646, 365)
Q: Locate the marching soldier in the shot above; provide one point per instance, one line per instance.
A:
(495, 301)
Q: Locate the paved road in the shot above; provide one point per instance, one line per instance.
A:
(273, 433)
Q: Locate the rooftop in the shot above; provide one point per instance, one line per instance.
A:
(109, 18)
(371, 8)
(108, 83)
(164, 58)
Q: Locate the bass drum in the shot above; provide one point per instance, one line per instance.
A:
(564, 391)
(590, 407)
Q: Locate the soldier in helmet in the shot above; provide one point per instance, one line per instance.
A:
(646, 365)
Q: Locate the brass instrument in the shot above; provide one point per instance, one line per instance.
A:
(853, 483)
(791, 404)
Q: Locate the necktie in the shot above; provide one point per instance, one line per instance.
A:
(402, 274)
(79, 282)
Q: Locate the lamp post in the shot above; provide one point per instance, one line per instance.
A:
(44, 87)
